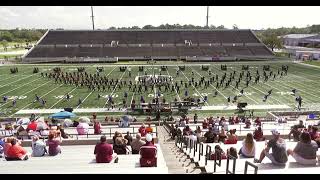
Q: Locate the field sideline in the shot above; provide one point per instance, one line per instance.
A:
(25, 85)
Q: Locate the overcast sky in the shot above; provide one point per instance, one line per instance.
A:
(78, 17)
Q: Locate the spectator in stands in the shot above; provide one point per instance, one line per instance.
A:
(64, 135)
(257, 122)
(222, 135)
(2, 142)
(38, 147)
(142, 130)
(120, 146)
(187, 131)
(106, 119)
(296, 132)
(116, 134)
(16, 152)
(136, 144)
(75, 123)
(218, 151)
(149, 129)
(233, 152)
(237, 121)
(195, 118)
(7, 145)
(314, 134)
(198, 133)
(148, 153)
(205, 124)
(247, 123)
(210, 136)
(54, 142)
(279, 154)
(173, 131)
(83, 128)
(258, 134)
(32, 126)
(231, 137)
(305, 151)
(97, 127)
(104, 152)
(248, 149)
(183, 122)
(128, 137)
(231, 120)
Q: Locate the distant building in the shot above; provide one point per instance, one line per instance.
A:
(302, 46)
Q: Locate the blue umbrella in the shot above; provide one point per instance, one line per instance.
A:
(62, 115)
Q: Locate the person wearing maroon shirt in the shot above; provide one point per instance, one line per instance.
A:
(237, 121)
(97, 127)
(148, 153)
(204, 124)
(257, 122)
(104, 152)
(258, 134)
(142, 130)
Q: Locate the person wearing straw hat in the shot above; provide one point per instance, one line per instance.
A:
(279, 154)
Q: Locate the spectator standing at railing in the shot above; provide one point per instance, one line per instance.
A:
(142, 130)
(257, 121)
(198, 133)
(97, 126)
(305, 151)
(195, 118)
(137, 144)
(187, 131)
(279, 154)
(205, 124)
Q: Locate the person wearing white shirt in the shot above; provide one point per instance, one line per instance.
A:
(248, 149)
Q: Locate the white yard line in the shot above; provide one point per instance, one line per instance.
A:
(62, 98)
(17, 80)
(194, 87)
(92, 90)
(27, 92)
(114, 88)
(19, 87)
(174, 86)
(42, 96)
(13, 76)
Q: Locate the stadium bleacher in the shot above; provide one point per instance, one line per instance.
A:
(132, 44)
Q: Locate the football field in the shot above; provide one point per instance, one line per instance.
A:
(25, 85)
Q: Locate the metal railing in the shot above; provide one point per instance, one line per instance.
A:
(252, 165)
(234, 164)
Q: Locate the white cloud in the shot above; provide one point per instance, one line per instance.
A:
(78, 17)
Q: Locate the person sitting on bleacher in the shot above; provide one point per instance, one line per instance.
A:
(248, 149)
(231, 120)
(142, 130)
(1, 146)
(38, 147)
(32, 126)
(314, 134)
(54, 141)
(7, 145)
(16, 152)
(232, 137)
(104, 152)
(258, 134)
(128, 137)
(187, 131)
(222, 135)
(279, 154)
(237, 121)
(305, 151)
(198, 133)
(218, 151)
(83, 128)
(148, 153)
(210, 136)
(257, 122)
(296, 132)
(205, 124)
(248, 123)
(137, 144)
(120, 146)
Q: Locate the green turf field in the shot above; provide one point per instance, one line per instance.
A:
(24, 85)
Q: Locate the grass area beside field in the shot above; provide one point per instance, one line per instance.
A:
(315, 63)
